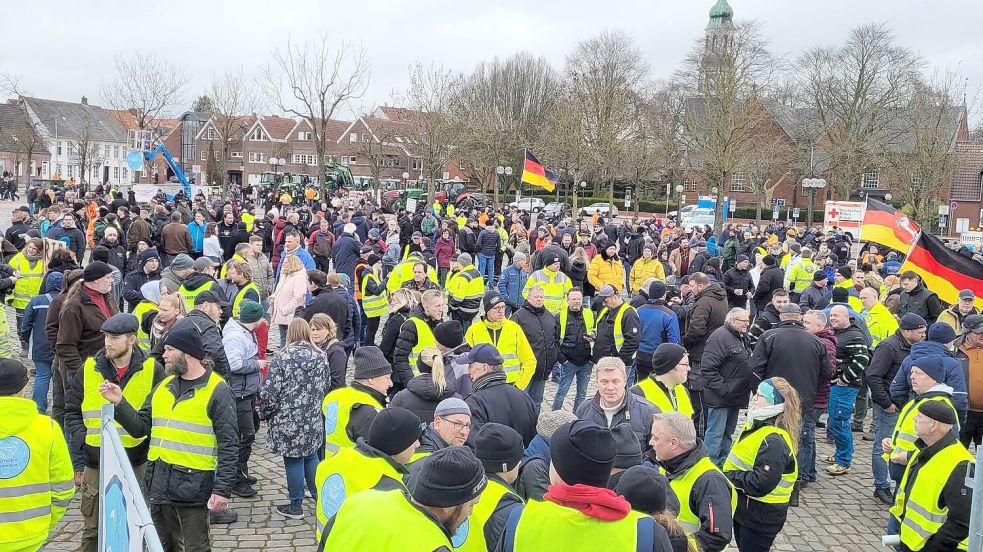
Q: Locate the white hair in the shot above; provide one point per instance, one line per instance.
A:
(349, 228)
(678, 426)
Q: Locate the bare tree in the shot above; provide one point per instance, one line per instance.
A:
(429, 96)
(312, 80)
(84, 150)
(152, 87)
(379, 147)
(233, 99)
(565, 143)
(665, 108)
(854, 90)
(768, 162)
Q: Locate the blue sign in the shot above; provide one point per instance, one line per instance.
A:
(134, 160)
(116, 534)
(332, 494)
(461, 535)
(15, 455)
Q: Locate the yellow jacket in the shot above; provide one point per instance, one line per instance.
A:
(880, 322)
(603, 272)
(511, 341)
(799, 277)
(949, 316)
(642, 270)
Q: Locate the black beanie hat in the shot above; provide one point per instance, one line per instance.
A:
(450, 334)
(769, 260)
(845, 271)
(840, 295)
(819, 275)
(657, 290)
(940, 411)
(583, 452)
(393, 430)
(499, 447)
(628, 451)
(100, 253)
(666, 357)
(449, 477)
(644, 488)
(13, 376)
(370, 363)
(95, 270)
(186, 340)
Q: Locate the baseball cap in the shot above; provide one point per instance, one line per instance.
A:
(607, 290)
(973, 323)
(966, 294)
(485, 353)
(209, 296)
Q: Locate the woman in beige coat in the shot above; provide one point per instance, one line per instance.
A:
(289, 295)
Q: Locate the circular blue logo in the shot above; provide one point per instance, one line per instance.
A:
(330, 417)
(134, 160)
(117, 530)
(332, 494)
(14, 457)
(461, 535)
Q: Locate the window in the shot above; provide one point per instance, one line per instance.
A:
(235, 154)
(871, 178)
(218, 155)
(738, 182)
(962, 225)
(105, 151)
(58, 149)
(116, 153)
(204, 156)
(126, 174)
(210, 134)
(71, 171)
(351, 159)
(344, 159)
(365, 137)
(353, 137)
(303, 159)
(417, 164)
(256, 157)
(116, 174)
(143, 172)
(258, 135)
(306, 136)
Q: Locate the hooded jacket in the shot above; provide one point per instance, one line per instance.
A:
(955, 376)
(725, 369)
(421, 397)
(211, 339)
(132, 283)
(32, 328)
(243, 354)
(707, 314)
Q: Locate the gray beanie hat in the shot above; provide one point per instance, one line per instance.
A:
(370, 363)
(549, 421)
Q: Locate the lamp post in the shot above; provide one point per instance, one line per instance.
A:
(813, 184)
(576, 193)
(888, 197)
(679, 203)
(57, 157)
(275, 163)
(503, 173)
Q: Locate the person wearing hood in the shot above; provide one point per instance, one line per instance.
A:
(117, 253)
(762, 467)
(540, 328)
(647, 266)
(32, 331)
(147, 270)
(177, 272)
(201, 280)
(939, 341)
(607, 269)
(427, 390)
(772, 278)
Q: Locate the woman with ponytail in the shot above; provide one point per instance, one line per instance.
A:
(424, 391)
(762, 465)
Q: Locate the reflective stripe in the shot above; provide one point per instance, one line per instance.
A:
(23, 515)
(187, 426)
(63, 486)
(21, 490)
(910, 524)
(182, 447)
(61, 503)
(920, 510)
(331, 447)
(786, 484)
(738, 462)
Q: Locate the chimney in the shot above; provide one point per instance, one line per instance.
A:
(85, 101)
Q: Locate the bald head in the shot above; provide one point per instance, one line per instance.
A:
(839, 317)
(868, 297)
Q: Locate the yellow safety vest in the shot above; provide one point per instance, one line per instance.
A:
(682, 487)
(449, 211)
(36, 476)
(507, 344)
(29, 283)
(374, 306)
(917, 507)
(136, 392)
(852, 298)
(555, 287)
(619, 337)
(225, 267)
(190, 295)
(466, 284)
(182, 432)
(424, 339)
(903, 437)
(248, 218)
(337, 410)
(346, 473)
(462, 221)
(588, 320)
(548, 526)
(241, 296)
(142, 309)
(403, 272)
(745, 451)
(676, 400)
(470, 536)
(800, 276)
(404, 524)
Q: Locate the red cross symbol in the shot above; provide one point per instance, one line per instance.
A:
(834, 213)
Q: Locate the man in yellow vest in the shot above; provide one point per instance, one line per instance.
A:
(843, 278)
(28, 266)
(880, 322)
(618, 328)
(348, 411)
(372, 296)
(499, 447)
(37, 485)
(507, 336)
(465, 289)
(799, 274)
(129, 367)
(194, 441)
(665, 385)
(933, 503)
(706, 498)
(241, 275)
(579, 512)
(426, 518)
(202, 279)
(377, 461)
(415, 334)
(555, 284)
(241, 254)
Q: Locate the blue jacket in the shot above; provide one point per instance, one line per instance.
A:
(354, 327)
(890, 267)
(73, 238)
(955, 376)
(511, 284)
(658, 322)
(197, 236)
(35, 315)
(304, 257)
(488, 242)
(712, 246)
(345, 253)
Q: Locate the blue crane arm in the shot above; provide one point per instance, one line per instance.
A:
(185, 185)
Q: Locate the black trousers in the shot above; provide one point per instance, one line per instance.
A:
(972, 430)
(752, 540)
(247, 434)
(182, 528)
(371, 328)
(860, 407)
(463, 318)
(695, 387)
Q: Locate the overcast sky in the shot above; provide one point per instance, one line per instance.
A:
(63, 49)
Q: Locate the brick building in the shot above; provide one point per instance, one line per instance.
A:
(17, 138)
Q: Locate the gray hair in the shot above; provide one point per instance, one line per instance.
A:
(534, 288)
(819, 315)
(610, 364)
(734, 313)
(678, 426)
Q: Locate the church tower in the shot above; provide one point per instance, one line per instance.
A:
(719, 35)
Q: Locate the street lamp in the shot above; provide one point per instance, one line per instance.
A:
(679, 202)
(812, 184)
(276, 162)
(503, 173)
(888, 197)
(576, 193)
(57, 163)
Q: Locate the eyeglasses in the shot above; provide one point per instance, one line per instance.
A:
(744, 320)
(459, 426)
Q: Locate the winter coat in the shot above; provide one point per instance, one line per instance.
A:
(789, 351)
(170, 280)
(813, 297)
(635, 411)
(773, 459)
(291, 400)
(467, 242)
(763, 321)
(578, 276)
(772, 278)
(852, 354)
(488, 242)
(676, 259)
(345, 253)
(132, 283)
(175, 238)
(73, 238)
(828, 339)
(117, 255)
(707, 314)
(725, 369)
(606, 271)
(922, 302)
(262, 274)
(328, 301)
(708, 499)
(534, 470)
(574, 347)
(954, 318)
(421, 397)
(243, 354)
(289, 295)
(211, 340)
(955, 376)
(390, 332)
(79, 328)
(643, 269)
(735, 280)
(197, 232)
(884, 365)
(492, 399)
(407, 339)
(32, 327)
(659, 324)
(443, 251)
(510, 285)
(354, 314)
(539, 326)
(604, 343)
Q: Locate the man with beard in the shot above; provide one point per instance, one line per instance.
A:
(127, 366)
(193, 469)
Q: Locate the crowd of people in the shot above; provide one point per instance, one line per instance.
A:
(404, 383)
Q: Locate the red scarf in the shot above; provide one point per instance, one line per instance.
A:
(598, 503)
(99, 300)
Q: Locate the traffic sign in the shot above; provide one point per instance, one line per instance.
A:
(795, 213)
(774, 214)
(953, 205)
(733, 205)
(134, 160)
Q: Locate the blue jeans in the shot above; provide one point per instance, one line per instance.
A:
(536, 389)
(567, 372)
(266, 308)
(283, 335)
(841, 401)
(806, 457)
(719, 436)
(42, 380)
(883, 427)
(299, 470)
(486, 267)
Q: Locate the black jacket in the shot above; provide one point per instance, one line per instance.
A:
(494, 400)
(884, 365)
(167, 484)
(763, 321)
(772, 278)
(922, 302)
(725, 370)
(635, 410)
(390, 332)
(328, 301)
(74, 394)
(707, 314)
(737, 279)
(852, 354)
(132, 283)
(790, 352)
(495, 526)
(774, 458)
(211, 339)
(574, 347)
(709, 500)
(421, 397)
(604, 344)
(539, 326)
(402, 371)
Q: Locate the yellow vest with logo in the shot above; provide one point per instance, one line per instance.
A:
(745, 451)
(903, 437)
(555, 287)
(676, 400)
(403, 272)
(682, 487)
(189, 295)
(241, 296)
(619, 337)
(337, 410)
(917, 508)
(800, 275)
(507, 344)
(374, 306)
(344, 474)
(29, 283)
(588, 320)
(405, 526)
(182, 432)
(424, 339)
(471, 534)
(136, 392)
(142, 309)
(548, 526)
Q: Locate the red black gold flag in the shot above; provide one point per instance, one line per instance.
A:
(944, 271)
(536, 174)
(887, 226)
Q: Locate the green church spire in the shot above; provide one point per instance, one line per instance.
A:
(721, 16)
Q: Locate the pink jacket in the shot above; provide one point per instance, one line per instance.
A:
(443, 251)
(290, 293)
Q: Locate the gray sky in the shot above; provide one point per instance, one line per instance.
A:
(207, 37)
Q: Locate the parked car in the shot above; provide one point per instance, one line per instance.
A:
(685, 212)
(556, 210)
(697, 218)
(600, 208)
(528, 204)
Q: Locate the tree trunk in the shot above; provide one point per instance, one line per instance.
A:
(760, 201)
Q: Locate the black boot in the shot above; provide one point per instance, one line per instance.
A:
(793, 500)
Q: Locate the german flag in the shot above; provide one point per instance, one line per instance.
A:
(536, 174)
(887, 226)
(944, 271)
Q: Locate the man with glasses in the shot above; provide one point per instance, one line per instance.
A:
(727, 382)
(507, 337)
(450, 427)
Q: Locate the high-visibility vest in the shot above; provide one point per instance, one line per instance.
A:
(507, 344)
(588, 320)
(449, 211)
(224, 272)
(248, 218)
(466, 284)
(544, 525)
(182, 433)
(337, 409)
(405, 524)
(241, 296)
(676, 400)
(136, 391)
(142, 309)
(346, 473)
(29, 283)
(403, 272)
(903, 437)
(374, 306)
(190, 295)
(800, 275)
(424, 339)
(916, 505)
(682, 487)
(619, 337)
(853, 299)
(745, 451)
(37, 480)
(471, 534)
(555, 287)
